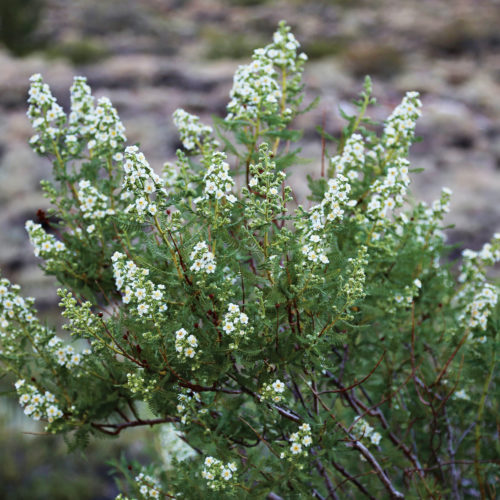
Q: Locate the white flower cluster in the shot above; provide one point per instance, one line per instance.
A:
(148, 486)
(185, 344)
(256, 90)
(99, 125)
(81, 117)
(461, 394)
(321, 215)
(314, 249)
(409, 293)
(144, 297)
(400, 126)
(478, 298)
(65, 355)
(218, 474)
(203, 259)
(427, 220)
(477, 312)
(195, 136)
(389, 193)
(93, 204)
(352, 159)
(218, 182)
(37, 405)
(106, 129)
(17, 315)
(332, 206)
(300, 441)
(235, 322)
(273, 392)
(13, 306)
(46, 116)
(140, 182)
(474, 262)
(45, 245)
(362, 429)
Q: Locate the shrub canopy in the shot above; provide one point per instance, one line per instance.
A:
(326, 350)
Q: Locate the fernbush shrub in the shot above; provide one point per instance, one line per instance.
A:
(328, 350)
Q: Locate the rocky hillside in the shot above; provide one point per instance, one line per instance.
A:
(153, 56)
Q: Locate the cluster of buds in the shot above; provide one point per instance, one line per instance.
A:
(273, 391)
(266, 181)
(195, 136)
(185, 344)
(82, 322)
(203, 259)
(144, 297)
(137, 384)
(266, 193)
(188, 405)
(299, 442)
(363, 430)
(37, 405)
(219, 475)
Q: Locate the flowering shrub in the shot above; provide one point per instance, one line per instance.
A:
(326, 350)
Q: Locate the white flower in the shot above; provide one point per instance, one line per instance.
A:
(226, 474)
(278, 386)
(228, 327)
(306, 440)
(375, 438)
(189, 352)
(180, 334)
(142, 309)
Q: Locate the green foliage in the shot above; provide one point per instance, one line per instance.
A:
(297, 352)
(19, 20)
(79, 51)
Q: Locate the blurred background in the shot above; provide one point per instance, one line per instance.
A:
(153, 56)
